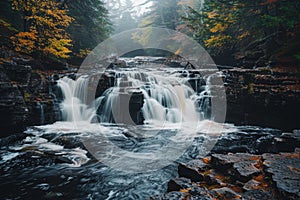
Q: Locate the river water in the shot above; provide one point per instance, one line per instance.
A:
(91, 155)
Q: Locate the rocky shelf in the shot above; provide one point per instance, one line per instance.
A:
(264, 96)
(235, 175)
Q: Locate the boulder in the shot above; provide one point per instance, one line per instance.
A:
(13, 110)
(262, 96)
(257, 194)
(285, 171)
(193, 170)
(241, 166)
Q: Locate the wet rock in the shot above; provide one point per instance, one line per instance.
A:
(226, 193)
(288, 142)
(26, 98)
(116, 62)
(102, 83)
(11, 139)
(191, 190)
(285, 171)
(29, 159)
(191, 170)
(256, 140)
(262, 97)
(18, 73)
(252, 185)
(136, 103)
(257, 194)
(13, 110)
(50, 64)
(242, 166)
(179, 183)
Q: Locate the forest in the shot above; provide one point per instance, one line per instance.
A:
(239, 33)
(150, 99)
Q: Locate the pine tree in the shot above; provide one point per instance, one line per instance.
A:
(91, 25)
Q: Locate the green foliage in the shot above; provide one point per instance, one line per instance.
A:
(91, 25)
(7, 25)
(225, 26)
(297, 56)
(54, 29)
(281, 14)
(163, 14)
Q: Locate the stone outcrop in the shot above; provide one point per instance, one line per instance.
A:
(26, 98)
(13, 109)
(254, 140)
(238, 176)
(264, 96)
(285, 171)
(266, 173)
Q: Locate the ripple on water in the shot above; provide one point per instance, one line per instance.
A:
(81, 178)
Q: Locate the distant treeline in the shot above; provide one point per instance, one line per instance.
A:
(232, 30)
(57, 29)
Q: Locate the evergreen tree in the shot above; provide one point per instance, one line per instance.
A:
(227, 26)
(91, 25)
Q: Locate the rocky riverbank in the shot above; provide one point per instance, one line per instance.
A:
(26, 97)
(265, 96)
(249, 163)
(253, 170)
(268, 97)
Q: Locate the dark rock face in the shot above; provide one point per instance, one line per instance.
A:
(285, 171)
(103, 82)
(257, 194)
(242, 166)
(263, 97)
(226, 193)
(13, 109)
(229, 174)
(250, 139)
(179, 183)
(190, 173)
(187, 189)
(25, 98)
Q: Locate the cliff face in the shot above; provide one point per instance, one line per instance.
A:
(265, 97)
(26, 98)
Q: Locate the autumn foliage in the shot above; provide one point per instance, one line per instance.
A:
(226, 25)
(44, 34)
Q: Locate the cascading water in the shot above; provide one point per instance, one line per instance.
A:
(42, 112)
(97, 160)
(166, 97)
(74, 107)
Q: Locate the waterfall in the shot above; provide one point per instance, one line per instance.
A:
(42, 112)
(164, 98)
(74, 107)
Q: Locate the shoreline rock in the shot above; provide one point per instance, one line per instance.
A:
(267, 174)
(271, 176)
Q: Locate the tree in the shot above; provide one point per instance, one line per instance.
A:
(91, 24)
(228, 26)
(44, 24)
(163, 14)
(122, 15)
